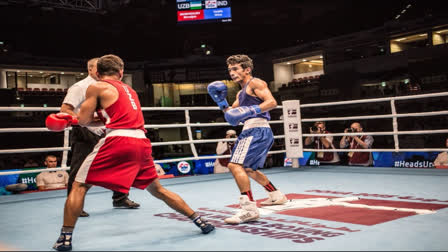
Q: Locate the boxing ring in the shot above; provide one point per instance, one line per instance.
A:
(329, 208)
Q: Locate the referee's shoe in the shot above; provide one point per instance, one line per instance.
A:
(125, 203)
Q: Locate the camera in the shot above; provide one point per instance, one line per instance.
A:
(351, 130)
(314, 128)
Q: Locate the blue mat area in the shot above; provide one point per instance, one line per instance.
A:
(32, 221)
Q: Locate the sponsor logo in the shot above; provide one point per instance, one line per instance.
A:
(293, 127)
(314, 162)
(292, 112)
(183, 167)
(416, 164)
(287, 162)
(294, 142)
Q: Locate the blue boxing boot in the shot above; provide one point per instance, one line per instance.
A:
(204, 225)
(64, 242)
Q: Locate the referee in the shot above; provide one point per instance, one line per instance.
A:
(84, 139)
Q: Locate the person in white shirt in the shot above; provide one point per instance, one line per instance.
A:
(84, 139)
(52, 179)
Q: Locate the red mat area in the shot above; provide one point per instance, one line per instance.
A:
(362, 216)
(400, 204)
(354, 215)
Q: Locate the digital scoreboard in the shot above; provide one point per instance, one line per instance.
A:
(194, 11)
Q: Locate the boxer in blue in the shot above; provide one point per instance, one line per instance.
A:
(251, 107)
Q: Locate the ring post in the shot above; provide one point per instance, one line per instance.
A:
(293, 131)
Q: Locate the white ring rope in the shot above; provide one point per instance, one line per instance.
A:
(192, 142)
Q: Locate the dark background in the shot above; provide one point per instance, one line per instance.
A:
(145, 30)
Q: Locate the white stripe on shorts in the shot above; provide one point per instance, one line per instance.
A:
(241, 150)
(84, 169)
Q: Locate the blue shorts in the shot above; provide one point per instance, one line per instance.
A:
(252, 146)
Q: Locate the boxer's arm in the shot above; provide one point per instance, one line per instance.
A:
(88, 107)
(262, 91)
(68, 108)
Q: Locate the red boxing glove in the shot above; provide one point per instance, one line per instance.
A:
(73, 120)
(60, 121)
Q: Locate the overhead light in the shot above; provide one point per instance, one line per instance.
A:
(409, 5)
(403, 11)
(82, 73)
(397, 17)
(401, 39)
(321, 57)
(422, 35)
(18, 71)
(289, 63)
(62, 73)
(41, 72)
(304, 60)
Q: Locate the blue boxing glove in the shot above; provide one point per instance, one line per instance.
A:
(236, 115)
(218, 92)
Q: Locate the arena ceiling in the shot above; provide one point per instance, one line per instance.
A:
(147, 29)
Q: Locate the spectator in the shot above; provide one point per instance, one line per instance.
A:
(442, 159)
(322, 142)
(357, 142)
(224, 148)
(52, 179)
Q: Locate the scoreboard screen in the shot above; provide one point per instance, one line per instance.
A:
(197, 11)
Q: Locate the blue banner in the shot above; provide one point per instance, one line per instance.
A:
(217, 13)
(383, 159)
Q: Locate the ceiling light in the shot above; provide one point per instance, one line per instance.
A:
(41, 72)
(62, 73)
(289, 63)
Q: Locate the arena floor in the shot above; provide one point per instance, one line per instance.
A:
(32, 221)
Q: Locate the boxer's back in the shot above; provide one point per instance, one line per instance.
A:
(125, 112)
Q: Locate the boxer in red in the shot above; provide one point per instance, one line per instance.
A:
(120, 160)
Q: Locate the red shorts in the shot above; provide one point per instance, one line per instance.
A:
(120, 160)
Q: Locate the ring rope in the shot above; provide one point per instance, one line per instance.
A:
(189, 125)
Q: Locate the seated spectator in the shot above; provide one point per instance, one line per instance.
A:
(442, 159)
(357, 142)
(224, 148)
(52, 179)
(322, 142)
